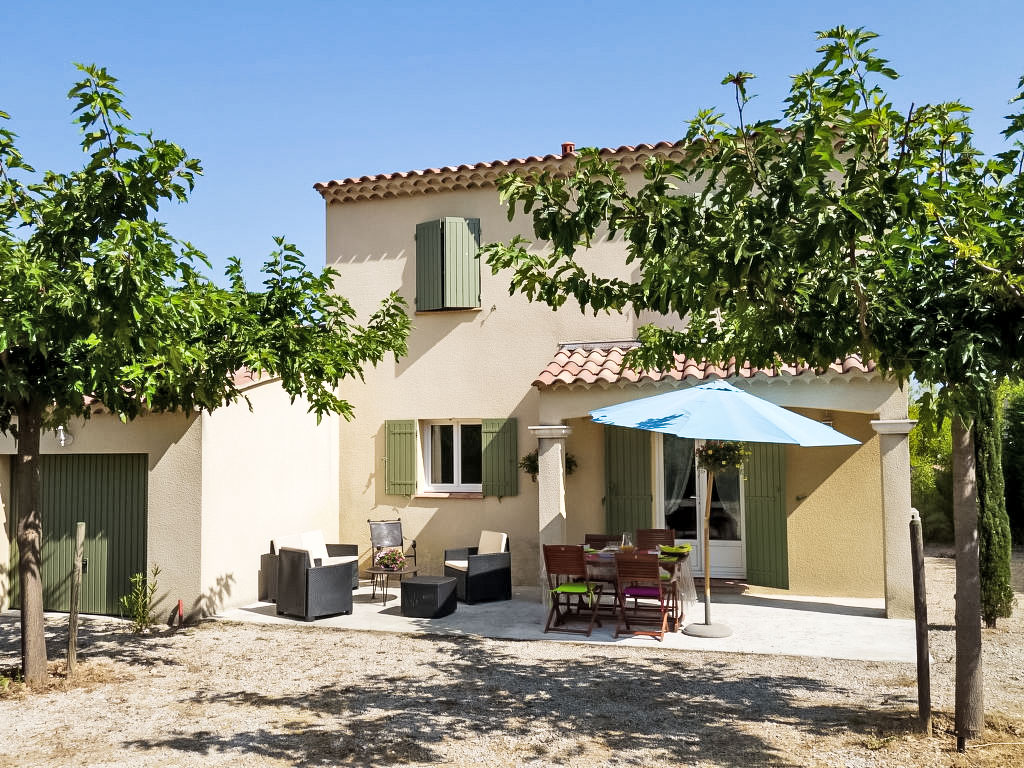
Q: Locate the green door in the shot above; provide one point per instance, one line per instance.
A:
(628, 500)
(766, 528)
(108, 493)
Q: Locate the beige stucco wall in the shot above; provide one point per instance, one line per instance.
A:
(266, 473)
(172, 443)
(470, 364)
(835, 516)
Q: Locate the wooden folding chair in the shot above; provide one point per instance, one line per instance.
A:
(567, 580)
(638, 577)
(601, 540)
(651, 538)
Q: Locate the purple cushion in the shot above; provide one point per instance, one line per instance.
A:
(642, 592)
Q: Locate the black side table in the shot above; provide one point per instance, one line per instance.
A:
(428, 597)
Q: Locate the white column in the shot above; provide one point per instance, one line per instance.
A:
(550, 491)
(894, 448)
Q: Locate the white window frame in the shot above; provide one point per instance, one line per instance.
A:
(458, 486)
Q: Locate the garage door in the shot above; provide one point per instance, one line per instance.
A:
(108, 493)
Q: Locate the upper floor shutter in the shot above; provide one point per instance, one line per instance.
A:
(447, 264)
(429, 266)
(461, 262)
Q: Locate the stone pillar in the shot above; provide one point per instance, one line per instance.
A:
(894, 449)
(550, 491)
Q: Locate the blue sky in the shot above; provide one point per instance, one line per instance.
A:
(274, 96)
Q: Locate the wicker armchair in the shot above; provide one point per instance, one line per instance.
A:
(483, 572)
(308, 590)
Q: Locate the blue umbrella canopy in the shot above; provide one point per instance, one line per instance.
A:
(719, 411)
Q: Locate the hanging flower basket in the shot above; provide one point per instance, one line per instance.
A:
(390, 559)
(720, 455)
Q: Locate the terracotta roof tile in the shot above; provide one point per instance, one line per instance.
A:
(385, 185)
(587, 363)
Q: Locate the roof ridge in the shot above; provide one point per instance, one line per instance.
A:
(381, 185)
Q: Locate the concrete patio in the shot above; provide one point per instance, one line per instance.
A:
(840, 628)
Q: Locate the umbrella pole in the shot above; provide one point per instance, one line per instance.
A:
(707, 629)
(707, 549)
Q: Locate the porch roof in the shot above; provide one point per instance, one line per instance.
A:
(585, 364)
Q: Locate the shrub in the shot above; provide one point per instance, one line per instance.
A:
(1013, 459)
(137, 605)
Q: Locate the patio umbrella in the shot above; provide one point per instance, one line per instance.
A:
(718, 411)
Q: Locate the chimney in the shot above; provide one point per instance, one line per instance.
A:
(568, 148)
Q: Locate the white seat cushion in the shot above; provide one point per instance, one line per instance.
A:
(340, 559)
(491, 542)
(458, 565)
(313, 542)
(294, 541)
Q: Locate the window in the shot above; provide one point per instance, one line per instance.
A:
(452, 456)
(447, 264)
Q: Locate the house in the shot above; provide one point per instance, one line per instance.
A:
(438, 435)
(200, 496)
(490, 377)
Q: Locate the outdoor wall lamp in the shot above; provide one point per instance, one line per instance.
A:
(64, 438)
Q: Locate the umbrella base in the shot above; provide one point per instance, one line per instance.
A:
(707, 630)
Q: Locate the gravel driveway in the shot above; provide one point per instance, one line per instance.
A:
(225, 694)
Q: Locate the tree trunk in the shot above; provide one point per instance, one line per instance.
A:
(30, 541)
(970, 710)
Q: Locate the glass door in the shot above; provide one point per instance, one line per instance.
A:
(680, 495)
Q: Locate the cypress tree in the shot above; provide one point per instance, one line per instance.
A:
(993, 523)
(1013, 461)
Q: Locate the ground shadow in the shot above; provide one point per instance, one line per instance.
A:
(99, 637)
(675, 707)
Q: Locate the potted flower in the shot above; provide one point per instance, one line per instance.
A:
(390, 559)
(720, 455)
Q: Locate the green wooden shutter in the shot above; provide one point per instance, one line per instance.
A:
(447, 264)
(108, 493)
(500, 457)
(628, 501)
(766, 528)
(400, 457)
(429, 266)
(461, 263)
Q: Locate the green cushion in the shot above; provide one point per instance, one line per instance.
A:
(683, 550)
(574, 588)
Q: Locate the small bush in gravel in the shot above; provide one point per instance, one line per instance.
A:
(137, 605)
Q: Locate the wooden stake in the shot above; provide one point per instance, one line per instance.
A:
(924, 674)
(76, 586)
